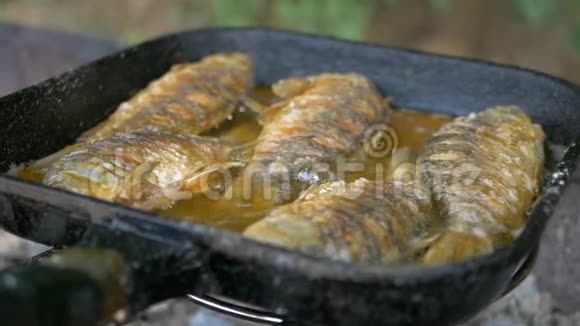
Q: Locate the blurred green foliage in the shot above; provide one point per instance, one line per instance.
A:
(351, 19)
(392, 2)
(301, 15)
(236, 12)
(440, 5)
(575, 36)
(536, 11)
(348, 19)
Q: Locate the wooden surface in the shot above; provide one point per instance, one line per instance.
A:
(28, 56)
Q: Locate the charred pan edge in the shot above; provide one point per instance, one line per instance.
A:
(232, 245)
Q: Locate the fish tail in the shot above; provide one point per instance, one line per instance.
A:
(253, 105)
(15, 169)
(291, 87)
(132, 186)
(288, 231)
(456, 246)
(420, 246)
(134, 189)
(242, 153)
(208, 178)
(402, 166)
(401, 156)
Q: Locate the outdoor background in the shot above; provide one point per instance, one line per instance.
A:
(540, 34)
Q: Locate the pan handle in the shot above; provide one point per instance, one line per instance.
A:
(44, 295)
(238, 311)
(73, 287)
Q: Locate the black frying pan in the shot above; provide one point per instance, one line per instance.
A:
(197, 259)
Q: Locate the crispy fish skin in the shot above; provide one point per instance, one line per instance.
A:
(144, 169)
(190, 99)
(362, 221)
(319, 119)
(483, 172)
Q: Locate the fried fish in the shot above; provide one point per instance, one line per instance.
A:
(318, 120)
(145, 169)
(362, 221)
(190, 99)
(482, 172)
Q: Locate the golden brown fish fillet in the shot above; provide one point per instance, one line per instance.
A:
(190, 99)
(144, 169)
(319, 120)
(483, 172)
(362, 221)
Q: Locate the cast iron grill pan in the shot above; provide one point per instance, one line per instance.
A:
(41, 119)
